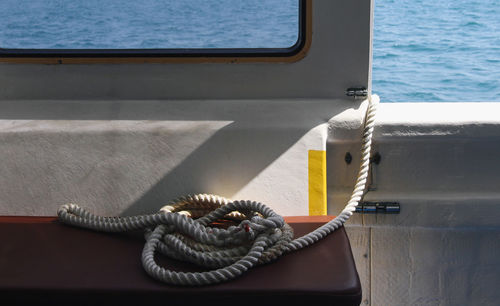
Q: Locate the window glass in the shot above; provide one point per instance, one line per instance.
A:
(148, 24)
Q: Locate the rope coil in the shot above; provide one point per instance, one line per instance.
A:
(184, 229)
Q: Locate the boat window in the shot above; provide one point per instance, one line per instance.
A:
(151, 27)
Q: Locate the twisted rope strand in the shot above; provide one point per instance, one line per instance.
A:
(184, 229)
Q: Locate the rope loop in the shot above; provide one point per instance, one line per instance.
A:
(186, 229)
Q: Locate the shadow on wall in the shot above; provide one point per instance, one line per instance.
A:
(133, 156)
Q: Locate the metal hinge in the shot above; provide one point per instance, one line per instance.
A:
(378, 208)
(356, 92)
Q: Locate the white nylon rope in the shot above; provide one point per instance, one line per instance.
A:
(184, 229)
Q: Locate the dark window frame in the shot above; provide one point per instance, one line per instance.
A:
(231, 54)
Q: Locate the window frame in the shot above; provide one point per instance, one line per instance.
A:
(174, 55)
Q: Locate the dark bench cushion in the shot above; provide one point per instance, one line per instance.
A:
(42, 260)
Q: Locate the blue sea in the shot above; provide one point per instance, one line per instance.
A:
(423, 50)
(436, 50)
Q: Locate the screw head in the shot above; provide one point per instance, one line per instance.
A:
(348, 158)
(376, 158)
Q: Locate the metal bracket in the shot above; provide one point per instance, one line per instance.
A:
(378, 208)
(356, 92)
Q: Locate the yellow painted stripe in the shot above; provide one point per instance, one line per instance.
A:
(317, 182)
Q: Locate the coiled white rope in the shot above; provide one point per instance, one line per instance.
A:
(184, 229)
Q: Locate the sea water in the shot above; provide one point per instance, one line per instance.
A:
(423, 50)
(436, 50)
(148, 24)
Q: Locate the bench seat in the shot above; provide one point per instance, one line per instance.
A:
(42, 260)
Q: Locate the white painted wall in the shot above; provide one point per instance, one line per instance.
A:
(154, 151)
(441, 162)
